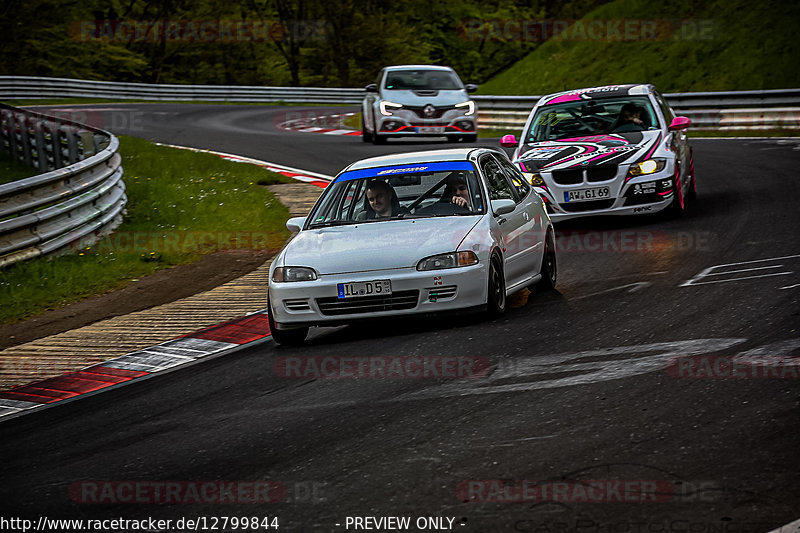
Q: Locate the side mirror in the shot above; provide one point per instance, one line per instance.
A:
(371, 88)
(295, 224)
(501, 207)
(471, 87)
(680, 123)
(508, 141)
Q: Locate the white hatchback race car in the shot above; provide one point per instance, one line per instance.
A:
(412, 233)
(613, 150)
(418, 100)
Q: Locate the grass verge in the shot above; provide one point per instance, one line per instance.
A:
(181, 205)
(12, 170)
(704, 45)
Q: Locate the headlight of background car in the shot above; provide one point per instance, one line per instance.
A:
(469, 104)
(384, 104)
(282, 274)
(649, 166)
(534, 179)
(451, 260)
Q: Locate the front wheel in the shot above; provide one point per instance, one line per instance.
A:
(496, 299)
(286, 337)
(365, 135)
(678, 205)
(549, 269)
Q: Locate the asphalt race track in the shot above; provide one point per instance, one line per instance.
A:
(585, 400)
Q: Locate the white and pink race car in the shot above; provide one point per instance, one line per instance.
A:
(613, 150)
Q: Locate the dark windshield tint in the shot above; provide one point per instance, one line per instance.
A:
(421, 80)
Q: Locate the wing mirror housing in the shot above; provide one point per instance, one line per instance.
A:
(508, 141)
(680, 123)
(371, 88)
(501, 207)
(295, 224)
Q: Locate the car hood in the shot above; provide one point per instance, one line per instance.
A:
(377, 245)
(422, 98)
(615, 148)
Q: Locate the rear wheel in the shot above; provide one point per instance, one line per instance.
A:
(453, 138)
(286, 337)
(549, 269)
(378, 139)
(496, 299)
(471, 138)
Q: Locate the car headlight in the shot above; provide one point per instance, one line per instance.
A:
(451, 260)
(469, 104)
(384, 104)
(534, 179)
(649, 166)
(283, 274)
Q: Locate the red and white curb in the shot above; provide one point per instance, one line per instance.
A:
(216, 340)
(315, 178)
(320, 124)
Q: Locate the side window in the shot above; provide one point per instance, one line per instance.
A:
(518, 181)
(499, 188)
(665, 109)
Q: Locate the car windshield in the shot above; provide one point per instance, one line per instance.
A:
(421, 80)
(582, 118)
(410, 191)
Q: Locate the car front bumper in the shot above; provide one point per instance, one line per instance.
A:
(315, 303)
(404, 122)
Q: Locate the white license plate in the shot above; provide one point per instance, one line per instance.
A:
(354, 289)
(582, 195)
(430, 129)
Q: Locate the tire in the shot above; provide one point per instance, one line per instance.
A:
(365, 135)
(496, 297)
(678, 206)
(471, 138)
(286, 337)
(549, 269)
(453, 138)
(692, 194)
(378, 139)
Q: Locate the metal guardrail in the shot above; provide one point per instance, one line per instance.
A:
(777, 108)
(77, 194)
(19, 87)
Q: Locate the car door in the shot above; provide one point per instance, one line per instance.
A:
(679, 143)
(530, 204)
(511, 225)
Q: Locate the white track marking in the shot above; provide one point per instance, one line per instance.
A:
(634, 287)
(713, 271)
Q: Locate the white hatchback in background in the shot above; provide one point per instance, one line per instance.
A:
(418, 100)
(613, 150)
(412, 233)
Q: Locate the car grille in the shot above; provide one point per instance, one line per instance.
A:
(399, 300)
(441, 293)
(601, 173)
(437, 113)
(300, 304)
(640, 199)
(568, 176)
(592, 205)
